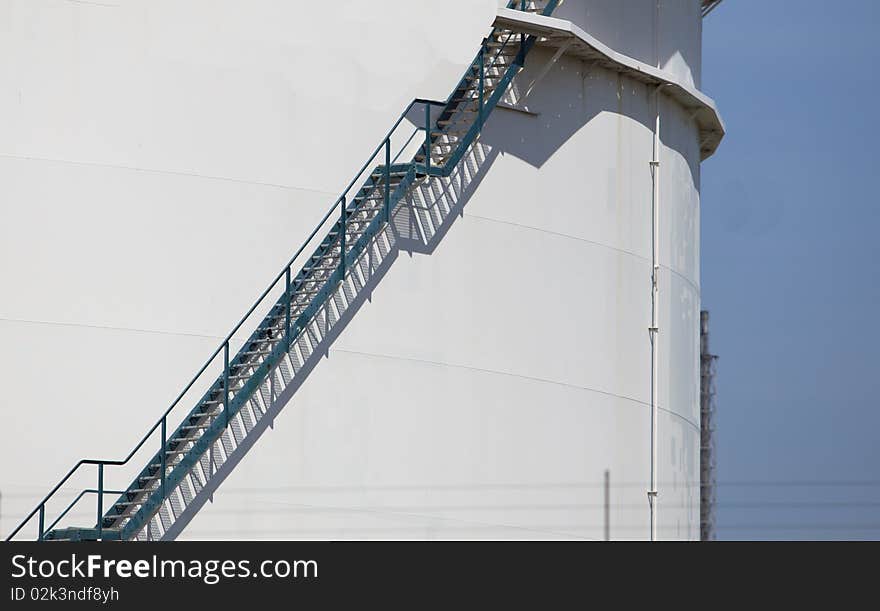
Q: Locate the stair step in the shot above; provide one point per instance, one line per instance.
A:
(240, 376)
(361, 214)
(487, 89)
(492, 44)
(420, 158)
(437, 160)
(489, 66)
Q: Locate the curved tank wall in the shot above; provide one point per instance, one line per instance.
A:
(662, 33)
(164, 159)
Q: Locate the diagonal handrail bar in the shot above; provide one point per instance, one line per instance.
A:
(224, 345)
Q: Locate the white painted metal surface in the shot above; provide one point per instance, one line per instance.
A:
(163, 159)
(563, 34)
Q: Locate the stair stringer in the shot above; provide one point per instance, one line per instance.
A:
(418, 224)
(153, 503)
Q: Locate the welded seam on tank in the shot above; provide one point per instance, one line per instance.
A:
(534, 485)
(587, 241)
(84, 325)
(98, 164)
(404, 512)
(355, 534)
(91, 3)
(513, 375)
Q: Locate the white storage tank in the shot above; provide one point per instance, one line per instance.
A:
(492, 379)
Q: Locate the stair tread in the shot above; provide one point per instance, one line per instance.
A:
(361, 216)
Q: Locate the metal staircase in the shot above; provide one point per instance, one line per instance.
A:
(177, 479)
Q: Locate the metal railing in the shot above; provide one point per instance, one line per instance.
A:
(161, 423)
(339, 207)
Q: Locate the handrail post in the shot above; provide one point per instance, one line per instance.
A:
(427, 137)
(101, 498)
(342, 241)
(482, 80)
(292, 326)
(225, 383)
(162, 461)
(287, 310)
(388, 180)
(521, 56)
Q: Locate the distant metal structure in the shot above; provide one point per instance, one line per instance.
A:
(707, 432)
(709, 6)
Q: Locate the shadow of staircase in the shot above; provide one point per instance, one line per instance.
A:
(408, 207)
(418, 225)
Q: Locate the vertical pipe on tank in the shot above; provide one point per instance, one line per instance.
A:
(654, 330)
(655, 313)
(607, 505)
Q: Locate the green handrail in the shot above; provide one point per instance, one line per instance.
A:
(284, 273)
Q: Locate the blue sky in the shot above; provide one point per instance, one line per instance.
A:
(790, 221)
